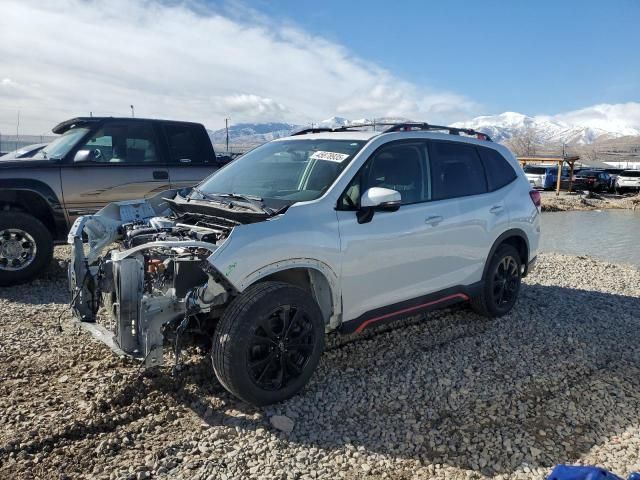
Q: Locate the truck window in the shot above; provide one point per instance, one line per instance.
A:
(187, 144)
(133, 143)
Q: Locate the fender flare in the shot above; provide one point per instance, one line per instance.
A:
(46, 193)
(512, 232)
(324, 269)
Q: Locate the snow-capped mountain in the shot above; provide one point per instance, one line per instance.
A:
(547, 130)
(253, 133)
(257, 133)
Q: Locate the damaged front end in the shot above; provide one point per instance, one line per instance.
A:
(154, 276)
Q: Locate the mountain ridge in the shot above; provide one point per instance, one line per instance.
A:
(501, 128)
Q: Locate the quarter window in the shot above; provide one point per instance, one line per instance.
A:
(499, 171)
(186, 144)
(456, 170)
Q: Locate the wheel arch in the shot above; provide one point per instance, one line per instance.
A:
(313, 276)
(37, 199)
(516, 238)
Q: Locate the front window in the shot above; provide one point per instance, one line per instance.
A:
(61, 145)
(289, 170)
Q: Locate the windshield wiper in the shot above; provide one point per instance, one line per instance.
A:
(255, 202)
(250, 199)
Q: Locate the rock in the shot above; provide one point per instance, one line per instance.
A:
(282, 423)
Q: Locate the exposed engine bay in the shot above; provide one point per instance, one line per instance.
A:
(145, 261)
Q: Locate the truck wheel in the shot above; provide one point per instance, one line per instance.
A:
(268, 343)
(26, 247)
(501, 285)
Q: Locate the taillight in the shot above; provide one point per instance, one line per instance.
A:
(536, 198)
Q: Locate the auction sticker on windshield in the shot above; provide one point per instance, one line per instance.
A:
(330, 156)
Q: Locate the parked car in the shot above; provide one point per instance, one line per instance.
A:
(628, 181)
(25, 152)
(545, 176)
(613, 173)
(93, 162)
(326, 230)
(594, 180)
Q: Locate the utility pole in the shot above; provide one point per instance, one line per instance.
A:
(226, 127)
(132, 111)
(17, 129)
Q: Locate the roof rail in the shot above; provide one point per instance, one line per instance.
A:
(312, 130)
(398, 127)
(417, 126)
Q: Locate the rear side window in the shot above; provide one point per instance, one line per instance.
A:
(187, 144)
(456, 170)
(499, 171)
(535, 170)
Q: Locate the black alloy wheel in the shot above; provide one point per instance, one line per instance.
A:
(280, 347)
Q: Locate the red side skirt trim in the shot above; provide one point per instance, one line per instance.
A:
(364, 325)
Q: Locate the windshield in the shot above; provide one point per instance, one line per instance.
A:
(630, 173)
(61, 145)
(290, 170)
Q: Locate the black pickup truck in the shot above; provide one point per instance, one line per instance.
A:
(94, 161)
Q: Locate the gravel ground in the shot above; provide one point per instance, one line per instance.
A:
(579, 201)
(452, 396)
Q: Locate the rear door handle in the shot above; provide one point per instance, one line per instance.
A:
(496, 209)
(185, 160)
(433, 220)
(160, 175)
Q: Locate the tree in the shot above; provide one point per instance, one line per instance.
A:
(524, 143)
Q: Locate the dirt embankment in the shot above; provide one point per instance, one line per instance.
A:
(585, 201)
(451, 396)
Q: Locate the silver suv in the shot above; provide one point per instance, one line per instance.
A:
(326, 230)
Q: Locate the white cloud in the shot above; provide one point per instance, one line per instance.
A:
(620, 117)
(170, 60)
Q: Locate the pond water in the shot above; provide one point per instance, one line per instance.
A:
(613, 235)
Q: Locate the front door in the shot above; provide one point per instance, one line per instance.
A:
(122, 161)
(383, 261)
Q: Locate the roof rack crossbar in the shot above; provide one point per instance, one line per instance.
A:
(409, 126)
(398, 127)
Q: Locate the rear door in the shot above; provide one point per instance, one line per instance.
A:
(190, 152)
(123, 162)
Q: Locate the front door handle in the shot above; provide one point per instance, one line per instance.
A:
(433, 220)
(160, 175)
(496, 209)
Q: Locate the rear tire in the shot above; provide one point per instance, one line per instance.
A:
(501, 284)
(26, 247)
(268, 343)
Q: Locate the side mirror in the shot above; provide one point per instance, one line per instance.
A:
(378, 198)
(83, 156)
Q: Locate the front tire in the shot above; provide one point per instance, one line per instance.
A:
(501, 284)
(268, 343)
(26, 247)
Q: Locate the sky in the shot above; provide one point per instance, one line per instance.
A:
(301, 62)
